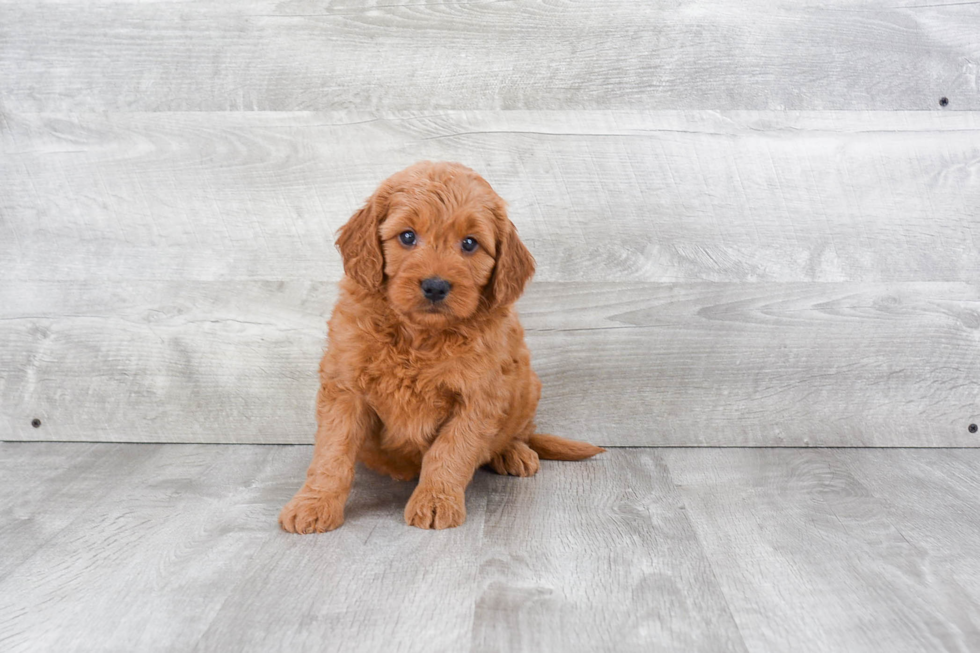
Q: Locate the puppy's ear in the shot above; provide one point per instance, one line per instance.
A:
(360, 244)
(513, 269)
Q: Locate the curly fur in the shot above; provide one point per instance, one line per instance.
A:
(416, 389)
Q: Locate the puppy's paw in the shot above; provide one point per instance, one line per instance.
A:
(518, 459)
(312, 512)
(426, 509)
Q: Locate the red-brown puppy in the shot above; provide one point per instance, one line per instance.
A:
(426, 373)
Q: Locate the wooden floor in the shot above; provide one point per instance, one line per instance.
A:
(138, 547)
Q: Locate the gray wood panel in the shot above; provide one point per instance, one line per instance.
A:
(190, 556)
(811, 560)
(759, 364)
(175, 361)
(526, 54)
(72, 477)
(933, 495)
(635, 550)
(561, 547)
(185, 525)
(598, 196)
(375, 584)
(807, 364)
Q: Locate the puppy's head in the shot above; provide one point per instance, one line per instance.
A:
(436, 240)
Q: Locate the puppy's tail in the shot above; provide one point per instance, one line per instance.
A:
(551, 447)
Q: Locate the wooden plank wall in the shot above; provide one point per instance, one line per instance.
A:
(755, 225)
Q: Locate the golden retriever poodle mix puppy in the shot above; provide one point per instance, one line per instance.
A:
(426, 372)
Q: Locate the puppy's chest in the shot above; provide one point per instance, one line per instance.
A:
(412, 394)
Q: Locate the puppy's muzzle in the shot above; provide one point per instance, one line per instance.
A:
(435, 289)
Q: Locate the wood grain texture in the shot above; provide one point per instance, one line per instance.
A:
(526, 54)
(559, 549)
(184, 525)
(811, 560)
(374, 584)
(821, 364)
(178, 361)
(72, 477)
(597, 196)
(759, 364)
(636, 550)
(190, 557)
(933, 495)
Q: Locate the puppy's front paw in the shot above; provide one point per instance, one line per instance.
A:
(312, 512)
(427, 509)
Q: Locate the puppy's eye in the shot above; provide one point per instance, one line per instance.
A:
(407, 238)
(469, 244)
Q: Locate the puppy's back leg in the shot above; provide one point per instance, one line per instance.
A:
(378, 460)
(517, 459)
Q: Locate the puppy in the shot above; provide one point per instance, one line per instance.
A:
(426, 372)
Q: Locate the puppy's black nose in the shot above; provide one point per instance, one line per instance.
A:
(435, 289)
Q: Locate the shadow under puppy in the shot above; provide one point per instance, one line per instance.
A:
(426, 372)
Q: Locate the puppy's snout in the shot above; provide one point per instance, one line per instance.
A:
(435, 289)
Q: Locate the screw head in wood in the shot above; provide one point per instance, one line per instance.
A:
(36, 423)
(943, 101)
(972, 428)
